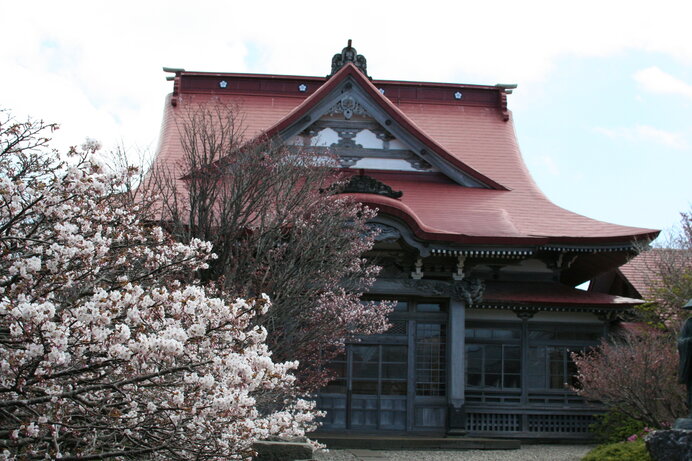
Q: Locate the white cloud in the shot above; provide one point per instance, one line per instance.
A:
(655, 80)
(106, 58)
(646, 133)
(667, 138)
(550, 165)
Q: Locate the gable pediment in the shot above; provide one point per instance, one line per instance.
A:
(348, 117)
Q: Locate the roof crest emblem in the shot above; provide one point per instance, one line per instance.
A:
(349, 54)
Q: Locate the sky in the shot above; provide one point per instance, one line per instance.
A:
(603, 108)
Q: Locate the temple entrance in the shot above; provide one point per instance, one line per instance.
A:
(395, 381)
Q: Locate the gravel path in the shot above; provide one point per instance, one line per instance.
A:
(525, 453)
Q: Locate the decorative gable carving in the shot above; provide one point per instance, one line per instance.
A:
(347, 106)
(358, 140)
(364, 184)
(347, 138)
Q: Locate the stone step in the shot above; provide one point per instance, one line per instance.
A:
(387, 442)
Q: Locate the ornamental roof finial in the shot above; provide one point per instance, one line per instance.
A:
(348, 54)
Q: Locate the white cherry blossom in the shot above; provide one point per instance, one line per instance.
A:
(107, 346)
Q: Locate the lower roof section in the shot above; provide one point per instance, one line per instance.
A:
(438, 210)
(516, 296)
(551, 296)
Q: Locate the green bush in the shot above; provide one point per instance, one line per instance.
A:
(621, 451)
(614, 426)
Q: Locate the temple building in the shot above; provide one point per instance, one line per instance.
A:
(483, 265)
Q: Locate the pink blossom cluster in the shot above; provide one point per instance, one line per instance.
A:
(635, 373)
(639, 435)
(108, 347)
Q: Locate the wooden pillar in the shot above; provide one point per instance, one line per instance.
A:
(456, 413)
(524, 316)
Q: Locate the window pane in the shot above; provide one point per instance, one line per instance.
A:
(401, 306)
(474, 358)
(541, 333)
(337, 368)
(393, 387)
(341, 357)
(473, 379)
(506, 333)
(567, 333)
(493, 333)
(429, 307)
(394, 354)
(493, 359)
(365, 370)
(364, 387)
(555, 354)
(563, 333)
(394, 371)
(512, 366)
(398, 328)
(511, 381)
(483, 333)
(512, 353)
(338, 386)
(571, 370)
(365, 353)
(537, 381)
(557, 367)
(493, 380)
(556, 382)
(537, 367)
(536, 356)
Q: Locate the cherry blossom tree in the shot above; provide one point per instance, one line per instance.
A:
(634, 374)
(108, 346)
(279, 226)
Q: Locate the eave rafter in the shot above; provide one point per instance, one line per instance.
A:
(607, 309)
(483, 253)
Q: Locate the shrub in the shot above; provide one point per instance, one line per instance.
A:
(621, 451)
(615, 426)
(636, 374)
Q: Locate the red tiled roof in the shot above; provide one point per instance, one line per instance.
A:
(474, 136)
(549, 293)
(638, 271)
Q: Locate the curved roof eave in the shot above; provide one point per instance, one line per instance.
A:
(400, 210)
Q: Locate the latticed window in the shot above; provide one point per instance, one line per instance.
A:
(550, 364)
(337, 367)
(493, 357)
(379, 369)
(551, 367)
(493, 365)
(430, 359)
